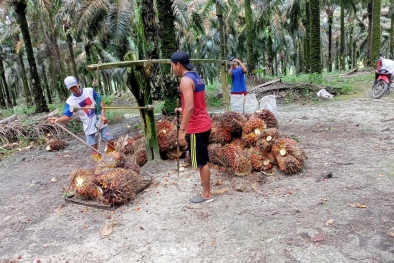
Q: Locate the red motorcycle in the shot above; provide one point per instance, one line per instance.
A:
(384, 77)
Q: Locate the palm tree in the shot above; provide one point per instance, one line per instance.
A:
(20, 10)
(376, 29)
(315, 53)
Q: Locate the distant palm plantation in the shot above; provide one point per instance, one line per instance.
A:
(43, 41)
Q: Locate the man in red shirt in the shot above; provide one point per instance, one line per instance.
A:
(196, 122)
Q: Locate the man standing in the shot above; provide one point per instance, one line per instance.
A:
(237, 74)
(196, 123)
(87, 97)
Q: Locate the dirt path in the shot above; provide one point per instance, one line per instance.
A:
(279, 218)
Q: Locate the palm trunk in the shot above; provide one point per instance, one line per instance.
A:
(315, 55)
(330, 21)
(48, 91)
(307, 42)
(376, 29)
(342, 42)
(168, 46)
(26, 89)
(369, 51)
(249, 37)
(72, 56)
(39, 99)
(5, 86)
(392, 36)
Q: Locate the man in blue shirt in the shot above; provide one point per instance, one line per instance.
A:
(237, 74)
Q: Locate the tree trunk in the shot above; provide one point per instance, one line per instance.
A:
(315, 57)
(376, 29)
(5, 86)
(72, 56)
(392, 35)
(307, 51)
(250, 35)
(222, 36)
(350, 46)
(2, 101)
(138, 81)
(169, 85)
(39, 99)
(26, 89)
(369, 51)
(342, 42)
(48, 91)
(330, 21)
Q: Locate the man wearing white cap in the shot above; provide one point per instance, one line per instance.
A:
(86, 97)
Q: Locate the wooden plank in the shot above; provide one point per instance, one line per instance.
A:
(125, 64)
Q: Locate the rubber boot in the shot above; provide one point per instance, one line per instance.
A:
(110, 146)
(96, 157)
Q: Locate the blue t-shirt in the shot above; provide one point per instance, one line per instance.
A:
(238, 79)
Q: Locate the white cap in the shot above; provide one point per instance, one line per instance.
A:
(70, 82)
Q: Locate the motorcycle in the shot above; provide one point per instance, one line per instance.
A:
(384, 77)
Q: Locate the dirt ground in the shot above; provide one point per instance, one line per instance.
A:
(277, 218)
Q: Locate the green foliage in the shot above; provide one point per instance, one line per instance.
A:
(211, 95)
(294, 137)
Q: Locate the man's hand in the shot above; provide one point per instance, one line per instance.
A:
(52, 120)
(104, 119)
(179, 109)
(182, 138)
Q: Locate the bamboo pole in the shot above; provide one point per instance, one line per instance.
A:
(125, 64)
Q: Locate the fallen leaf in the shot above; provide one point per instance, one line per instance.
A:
(329, 222)
(220, 191)
(391, 234)
(358, 205)
(318, 238)
(219, 182)
(106, 231)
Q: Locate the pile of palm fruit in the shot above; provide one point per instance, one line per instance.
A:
(116, 177)
(241, 144)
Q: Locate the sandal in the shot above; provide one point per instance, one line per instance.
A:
(199, 199)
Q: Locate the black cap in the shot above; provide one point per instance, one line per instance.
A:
(182, 58)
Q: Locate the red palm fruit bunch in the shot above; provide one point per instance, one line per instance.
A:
(268, 161)
(268, 117)
(55, 145)
(251, 129)
(219, 134)
(117, 186)
(111, 160)
(289, 156)
(214, 151)
(235, 158)
(132, 144)
(163, 129)
(232, 122)
(239, 143)
(140, 157)
(130, 164)
(82, 181)
(266, 139)
(255, 158)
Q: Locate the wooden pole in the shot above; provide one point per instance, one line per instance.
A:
(226, 91)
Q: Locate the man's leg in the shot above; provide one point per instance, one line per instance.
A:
(205, 175)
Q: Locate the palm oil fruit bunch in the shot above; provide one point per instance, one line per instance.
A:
(117, 186)
(163, 129)
(111, 160)
(289, 156)
(268, 117)
(82, 181)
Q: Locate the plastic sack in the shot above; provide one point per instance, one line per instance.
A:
(251, 104)
(269, 103)
(237, 103)
(324, 94)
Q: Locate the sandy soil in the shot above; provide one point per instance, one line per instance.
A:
(278, 218)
